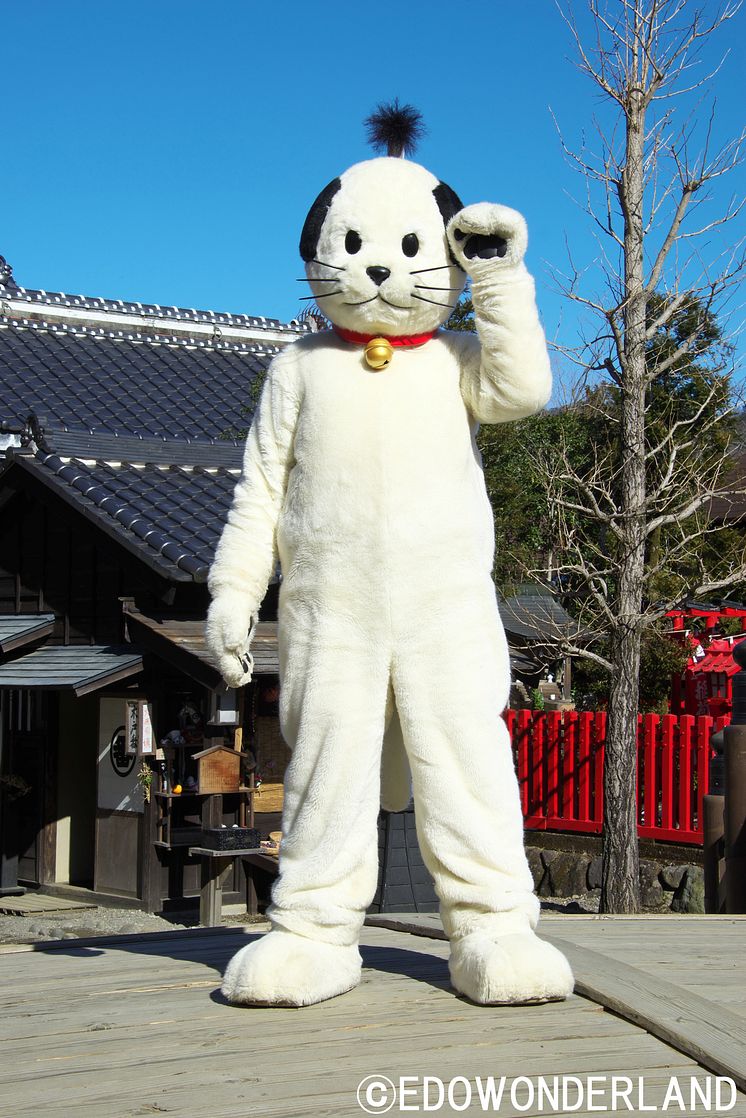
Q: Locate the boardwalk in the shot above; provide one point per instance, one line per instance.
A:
(134, 1025)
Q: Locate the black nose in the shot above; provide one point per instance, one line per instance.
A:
(378, 274)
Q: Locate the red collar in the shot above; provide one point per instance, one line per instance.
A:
(398, 340)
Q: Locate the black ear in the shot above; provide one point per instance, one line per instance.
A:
(449, 204)
(448, 201)
(309, 238)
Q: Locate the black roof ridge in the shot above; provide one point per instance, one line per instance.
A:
(133, 452)
(81, 329)
(48, 432)
(40, 297)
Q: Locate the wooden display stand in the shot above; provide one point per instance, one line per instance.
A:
(219, 769)
(217, 863)
(172, 824)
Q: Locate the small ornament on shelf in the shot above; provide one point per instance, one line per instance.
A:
(145, 780)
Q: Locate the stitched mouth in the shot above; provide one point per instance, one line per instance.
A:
(396, 306)
(362, 302)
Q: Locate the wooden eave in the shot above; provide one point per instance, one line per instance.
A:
(180, 641)
(37, 627)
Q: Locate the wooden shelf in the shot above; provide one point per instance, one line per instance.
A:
(180, 795)
(196, 795)
(170, 832)
(208, 852)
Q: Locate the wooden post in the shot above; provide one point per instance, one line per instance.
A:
(150, 866)
(686, 729)
(735, 791)
(667, 774)
(238, 732)
(252, 897)
(570, 765)
(537, 761)
(713, 824)
(554, 727)
(584, 766)
(599, 761)
(212, 869)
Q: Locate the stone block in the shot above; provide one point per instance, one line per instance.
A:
(549, 856)
(535, 864)
(568, 874)
(649, 873)
(594, 873)
(690, 895)
(670, 877)
(653, 898)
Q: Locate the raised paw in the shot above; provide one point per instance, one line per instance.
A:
(487, 231)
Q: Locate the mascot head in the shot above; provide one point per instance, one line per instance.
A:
(374, 242)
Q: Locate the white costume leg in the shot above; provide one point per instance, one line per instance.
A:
(451, 680)
(333, 701)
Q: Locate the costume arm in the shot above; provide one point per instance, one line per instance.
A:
(509, 376)
(246, 554)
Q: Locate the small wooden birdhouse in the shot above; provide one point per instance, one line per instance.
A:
(219, 769)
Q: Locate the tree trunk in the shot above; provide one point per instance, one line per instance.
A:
(620, 886)
(620, 881)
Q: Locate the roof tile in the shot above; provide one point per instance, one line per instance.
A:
(126, 386)
(164, 516)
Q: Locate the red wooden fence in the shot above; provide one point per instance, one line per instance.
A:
(559, 758)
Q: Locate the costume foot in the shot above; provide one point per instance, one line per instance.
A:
(517, 968)
(282, 968)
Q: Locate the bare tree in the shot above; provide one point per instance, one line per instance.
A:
(638, 510)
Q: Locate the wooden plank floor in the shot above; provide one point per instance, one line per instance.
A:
(135, 1026)
(706, 955)
(38, 904)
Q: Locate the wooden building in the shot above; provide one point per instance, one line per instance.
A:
(117, 465)
(119, 449)
(535, 623)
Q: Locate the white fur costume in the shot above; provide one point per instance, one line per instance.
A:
(369, 486)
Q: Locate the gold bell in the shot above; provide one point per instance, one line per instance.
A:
(378, 353)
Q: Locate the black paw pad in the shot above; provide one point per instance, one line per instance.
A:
(484, 248)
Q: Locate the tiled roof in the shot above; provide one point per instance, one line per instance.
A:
(41, 301)
(84, 668)
(718, 657)
(23, 628)
(535, 616)
(171, 389)
(126, 411)
(169, 516)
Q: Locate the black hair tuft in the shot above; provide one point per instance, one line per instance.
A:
(395, 129)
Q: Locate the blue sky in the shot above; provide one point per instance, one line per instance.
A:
(168, 152)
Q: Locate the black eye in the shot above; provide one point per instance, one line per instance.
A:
(410, 245)
(353, 243)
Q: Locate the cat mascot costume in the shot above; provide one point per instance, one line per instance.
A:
(362, 474)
